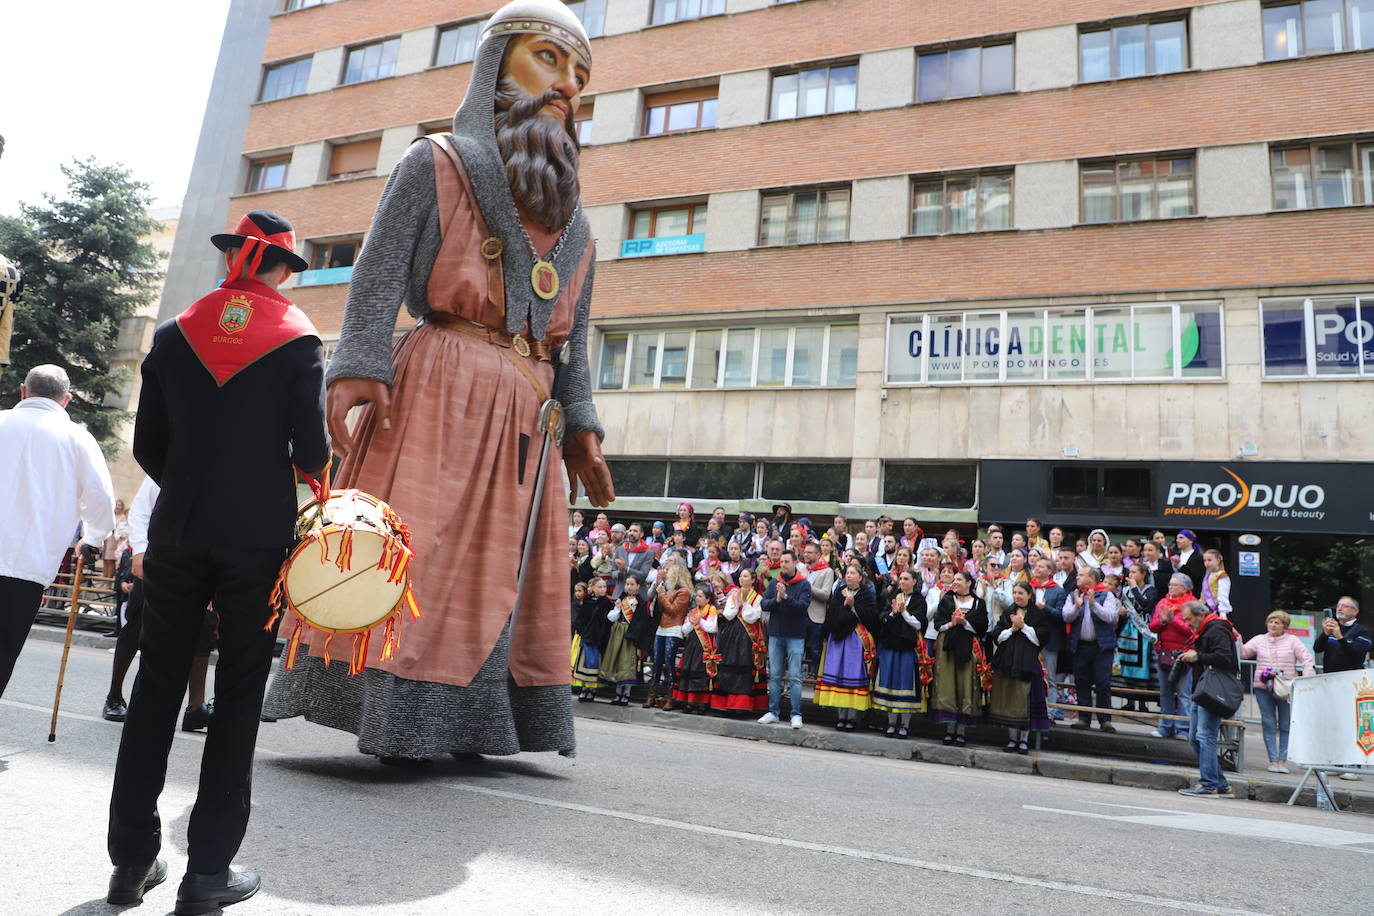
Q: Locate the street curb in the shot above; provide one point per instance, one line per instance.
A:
(46, 633)
(994, 759)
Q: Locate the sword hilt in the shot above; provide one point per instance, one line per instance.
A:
(551, 419)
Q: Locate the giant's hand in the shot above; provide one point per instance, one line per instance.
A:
(344, 395)
(582, 457)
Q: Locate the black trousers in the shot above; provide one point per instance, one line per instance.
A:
(19, 601)
(178, 584)
(1092, 675)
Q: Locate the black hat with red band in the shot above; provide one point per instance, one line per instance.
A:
(258, 232)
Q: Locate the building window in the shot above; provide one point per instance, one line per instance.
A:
(794, 481)
(583, 126)
(1137, 189)
(457, 43)
(668, 221)
(353, 160)
(1323, 174)
(1150, 341)
(679, 10)
(768, 357)
(688, 109)
(930, 486)
(816, 91)
(268, 174)
(1317, 27)
(302, 4)
(802, 216)
(1100, 488)
(962, 72)
(329, 255)
(285, 80)
(961, 203)
(1132, 49)
(592, 14)
(1327, 337)
(371, 62)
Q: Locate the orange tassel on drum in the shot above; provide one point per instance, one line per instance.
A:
(324, 547)
(358, 661)
(399, 567)
(414, 608)
(274, 601)
(327, 640)
(293, 647)
(344, 562)
(390, 639)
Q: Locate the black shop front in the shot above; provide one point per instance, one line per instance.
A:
(1295, 535)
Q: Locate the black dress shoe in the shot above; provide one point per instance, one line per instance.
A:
(129, 883)
(195, 718)
(207, 893)
(115, 710)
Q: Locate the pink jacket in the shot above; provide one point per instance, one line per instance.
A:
(1283, 654)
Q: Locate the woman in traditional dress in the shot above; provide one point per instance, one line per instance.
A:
(1116, 562)
(961, 620)
(1018, 677)
(687, 524)
(697, 671)
(593, 628)
(1094, 552)
(1216, 583)
(622, 664)
(898, 689)
(848, 651)
(742, 678)
(911, 533)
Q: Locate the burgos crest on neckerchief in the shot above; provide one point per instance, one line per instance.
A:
(237, 311)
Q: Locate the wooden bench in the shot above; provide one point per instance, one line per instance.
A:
(1230, 739)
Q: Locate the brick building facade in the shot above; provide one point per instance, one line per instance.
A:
(1144, 226)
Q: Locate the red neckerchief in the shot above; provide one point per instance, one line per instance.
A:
(772, 564)
(794, 580)
(640, 549)
(240, 323)
(818, 566)
(1050, 583)
(1174, 604)
(1206, 620)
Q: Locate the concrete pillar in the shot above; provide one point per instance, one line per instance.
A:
(1233, 180)
(417, 50)
(627, 15)
(881, 208)
(732, 220)
(1227, 35)
(308, 162)
(325, 70)
(616, 116)
(1047, 58)
(608, 228)
(865, 469)
(1045, 194)
(887, 79)
(743, 98)
(395, 142)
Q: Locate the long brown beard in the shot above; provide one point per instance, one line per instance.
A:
(541, 155)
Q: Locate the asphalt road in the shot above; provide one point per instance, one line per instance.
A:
(654, 820)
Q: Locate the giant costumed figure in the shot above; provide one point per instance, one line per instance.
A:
(481, 234)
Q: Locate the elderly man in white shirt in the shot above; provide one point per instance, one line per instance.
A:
(55, 478)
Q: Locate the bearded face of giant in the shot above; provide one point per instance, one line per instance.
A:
(539, 92)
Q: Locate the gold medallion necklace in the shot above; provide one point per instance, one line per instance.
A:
(543, 275)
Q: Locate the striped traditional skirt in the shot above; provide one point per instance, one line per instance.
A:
(843, 682)
(957, 697)
(586, 665)
(897, 688)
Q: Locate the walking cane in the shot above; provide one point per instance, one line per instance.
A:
(67, 646)
(552, 423)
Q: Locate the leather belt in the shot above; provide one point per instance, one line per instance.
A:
(518, 348)
(537, 349)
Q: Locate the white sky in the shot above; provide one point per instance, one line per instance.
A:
(122, 81)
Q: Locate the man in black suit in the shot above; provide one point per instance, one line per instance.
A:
(232, 398)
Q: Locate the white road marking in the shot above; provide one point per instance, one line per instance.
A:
(82, 717)
(1249, 827)
(984, 874)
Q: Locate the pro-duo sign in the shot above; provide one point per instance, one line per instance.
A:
(1325, 498)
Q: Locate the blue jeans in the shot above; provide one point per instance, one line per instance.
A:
(665, 659)
(1274, 715)
(788, 653)
(1203, 728)
(1174, 700)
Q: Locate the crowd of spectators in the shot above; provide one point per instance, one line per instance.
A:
(1015, 628)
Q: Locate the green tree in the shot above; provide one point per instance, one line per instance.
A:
(86, 267)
